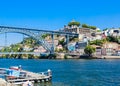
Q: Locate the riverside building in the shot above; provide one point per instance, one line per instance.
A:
(83, 32)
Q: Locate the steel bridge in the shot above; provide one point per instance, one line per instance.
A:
(37, 35)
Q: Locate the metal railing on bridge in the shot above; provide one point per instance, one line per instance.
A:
(35, 53)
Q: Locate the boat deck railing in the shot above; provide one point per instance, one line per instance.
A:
(27, 76)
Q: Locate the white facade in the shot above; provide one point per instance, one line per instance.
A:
(112, 32)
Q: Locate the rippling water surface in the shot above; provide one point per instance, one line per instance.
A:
(73, 72)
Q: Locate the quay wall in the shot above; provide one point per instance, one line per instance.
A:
(110, 57)
(61, 56)
(66, 56)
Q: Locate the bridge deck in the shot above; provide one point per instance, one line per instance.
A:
(38, 30)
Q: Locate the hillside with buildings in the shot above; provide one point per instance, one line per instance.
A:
(106, 42)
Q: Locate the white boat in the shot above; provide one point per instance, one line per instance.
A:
(24, 78)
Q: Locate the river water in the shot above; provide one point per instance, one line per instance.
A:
(98, 72)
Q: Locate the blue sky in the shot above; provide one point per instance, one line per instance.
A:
(54, 14)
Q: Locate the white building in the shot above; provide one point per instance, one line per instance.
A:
(112, 32)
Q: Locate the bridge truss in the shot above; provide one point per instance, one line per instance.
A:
(37, 35)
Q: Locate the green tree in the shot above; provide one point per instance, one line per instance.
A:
(62, 42)
(85, 26)
(92, 27)
(45, 35)
(74, 23)
(97, 42)
(112, 39)
(89, 50)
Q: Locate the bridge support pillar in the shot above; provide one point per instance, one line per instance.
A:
(52, 48)
(67, 40)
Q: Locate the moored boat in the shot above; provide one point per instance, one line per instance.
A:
(16, 75)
